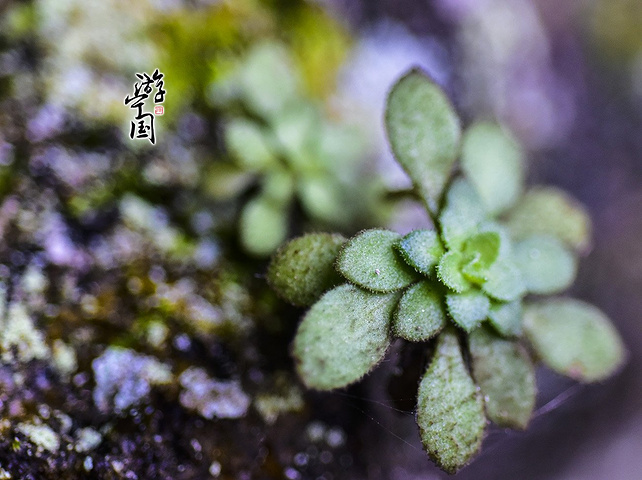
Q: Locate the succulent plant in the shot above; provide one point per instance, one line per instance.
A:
(287, 146)
(473, 286)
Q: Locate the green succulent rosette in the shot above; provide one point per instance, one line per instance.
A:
(476, 285)
(281, 141)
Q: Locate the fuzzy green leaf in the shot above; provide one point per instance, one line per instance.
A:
(343, 336)
(505, 239)
(421, 249)
(340, 145)
(303, 269)
(249, 145)
(278, 185)
(263, 225)
(296, 129)
(480, 252)
(506, 376)
(504, 281)
(549, 210)
(462, 215)
(449, 272)
(506, 318)
(450, 411)
(545, 263)
(473, 270)
(224, 180)
(486, 244)
(370, 261)
(420, 314)
(267, 81)
(322, 199)
(424, 132)
(494, 163)
(468, 309)
(574, 338)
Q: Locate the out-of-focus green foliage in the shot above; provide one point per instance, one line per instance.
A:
(551, 211)
(574, 338)
(98, 48)
(117, 269)
(91, 53)
(494, 162)
(198, 47)
(283, 140)
(616, 28)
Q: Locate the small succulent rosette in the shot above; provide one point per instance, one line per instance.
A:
(281, 140)
(473, 285)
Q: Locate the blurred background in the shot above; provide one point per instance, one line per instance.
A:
(139, 338)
